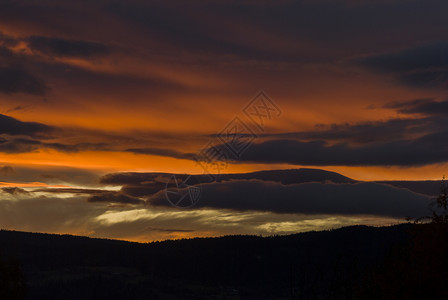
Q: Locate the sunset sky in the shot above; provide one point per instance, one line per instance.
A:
(93, 89)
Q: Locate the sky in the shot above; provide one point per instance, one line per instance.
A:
(97, 96)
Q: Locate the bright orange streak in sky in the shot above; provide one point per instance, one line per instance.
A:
(104, 162)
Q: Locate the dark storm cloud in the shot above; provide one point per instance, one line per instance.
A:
(267, 30)
(253, 30)
(202, 26)
(68, 191)
(422, 57)
(79, 147)
(161, 152)
(365, 132)
(19, 145)
(432, 148)
(21, 137)
(184, 26)
(401, 142)
(309, 198)
(12, 126)
(143, 189)
(133, 177)
(15, 76)
(114, 197)
(394, 142)
(16, 79)
(422, 66)
(137, 184)
(59, 47)
(427, 106)
(23, 145)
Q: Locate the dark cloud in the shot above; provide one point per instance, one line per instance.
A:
(139, 184)
(308, 191)
(6, 170)
(401, 142)
(365, 132)
(7, 41)
(24, 145)
(293, 31)
(16, 75)
(15, 191)
(16, 79)
(19, 145)
(309, 198)
(12, 126)
(394, 142)
(79, 147)
(280, 30)
(59, 47)
(162, 152)
(426, 106)
(6, 54)
(422, 57)
(18, 108)
(114, 197)
(53, 175)
(181, 25)
(169, 230)
(143, 189)
(428, 187)
(68, 191)
(429, 79)
(133, 177)
(422, 66)
(429, 149)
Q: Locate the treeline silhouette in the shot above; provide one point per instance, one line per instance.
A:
(314, 265)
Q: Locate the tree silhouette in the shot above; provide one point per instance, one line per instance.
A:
(418, 269)
(438, 208)
(440, 213)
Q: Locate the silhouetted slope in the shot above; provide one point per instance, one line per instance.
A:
(232, 267)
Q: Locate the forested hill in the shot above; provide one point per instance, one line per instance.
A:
(324, 264)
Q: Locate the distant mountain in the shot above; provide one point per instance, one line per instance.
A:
(288, 176)
(291, 176)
